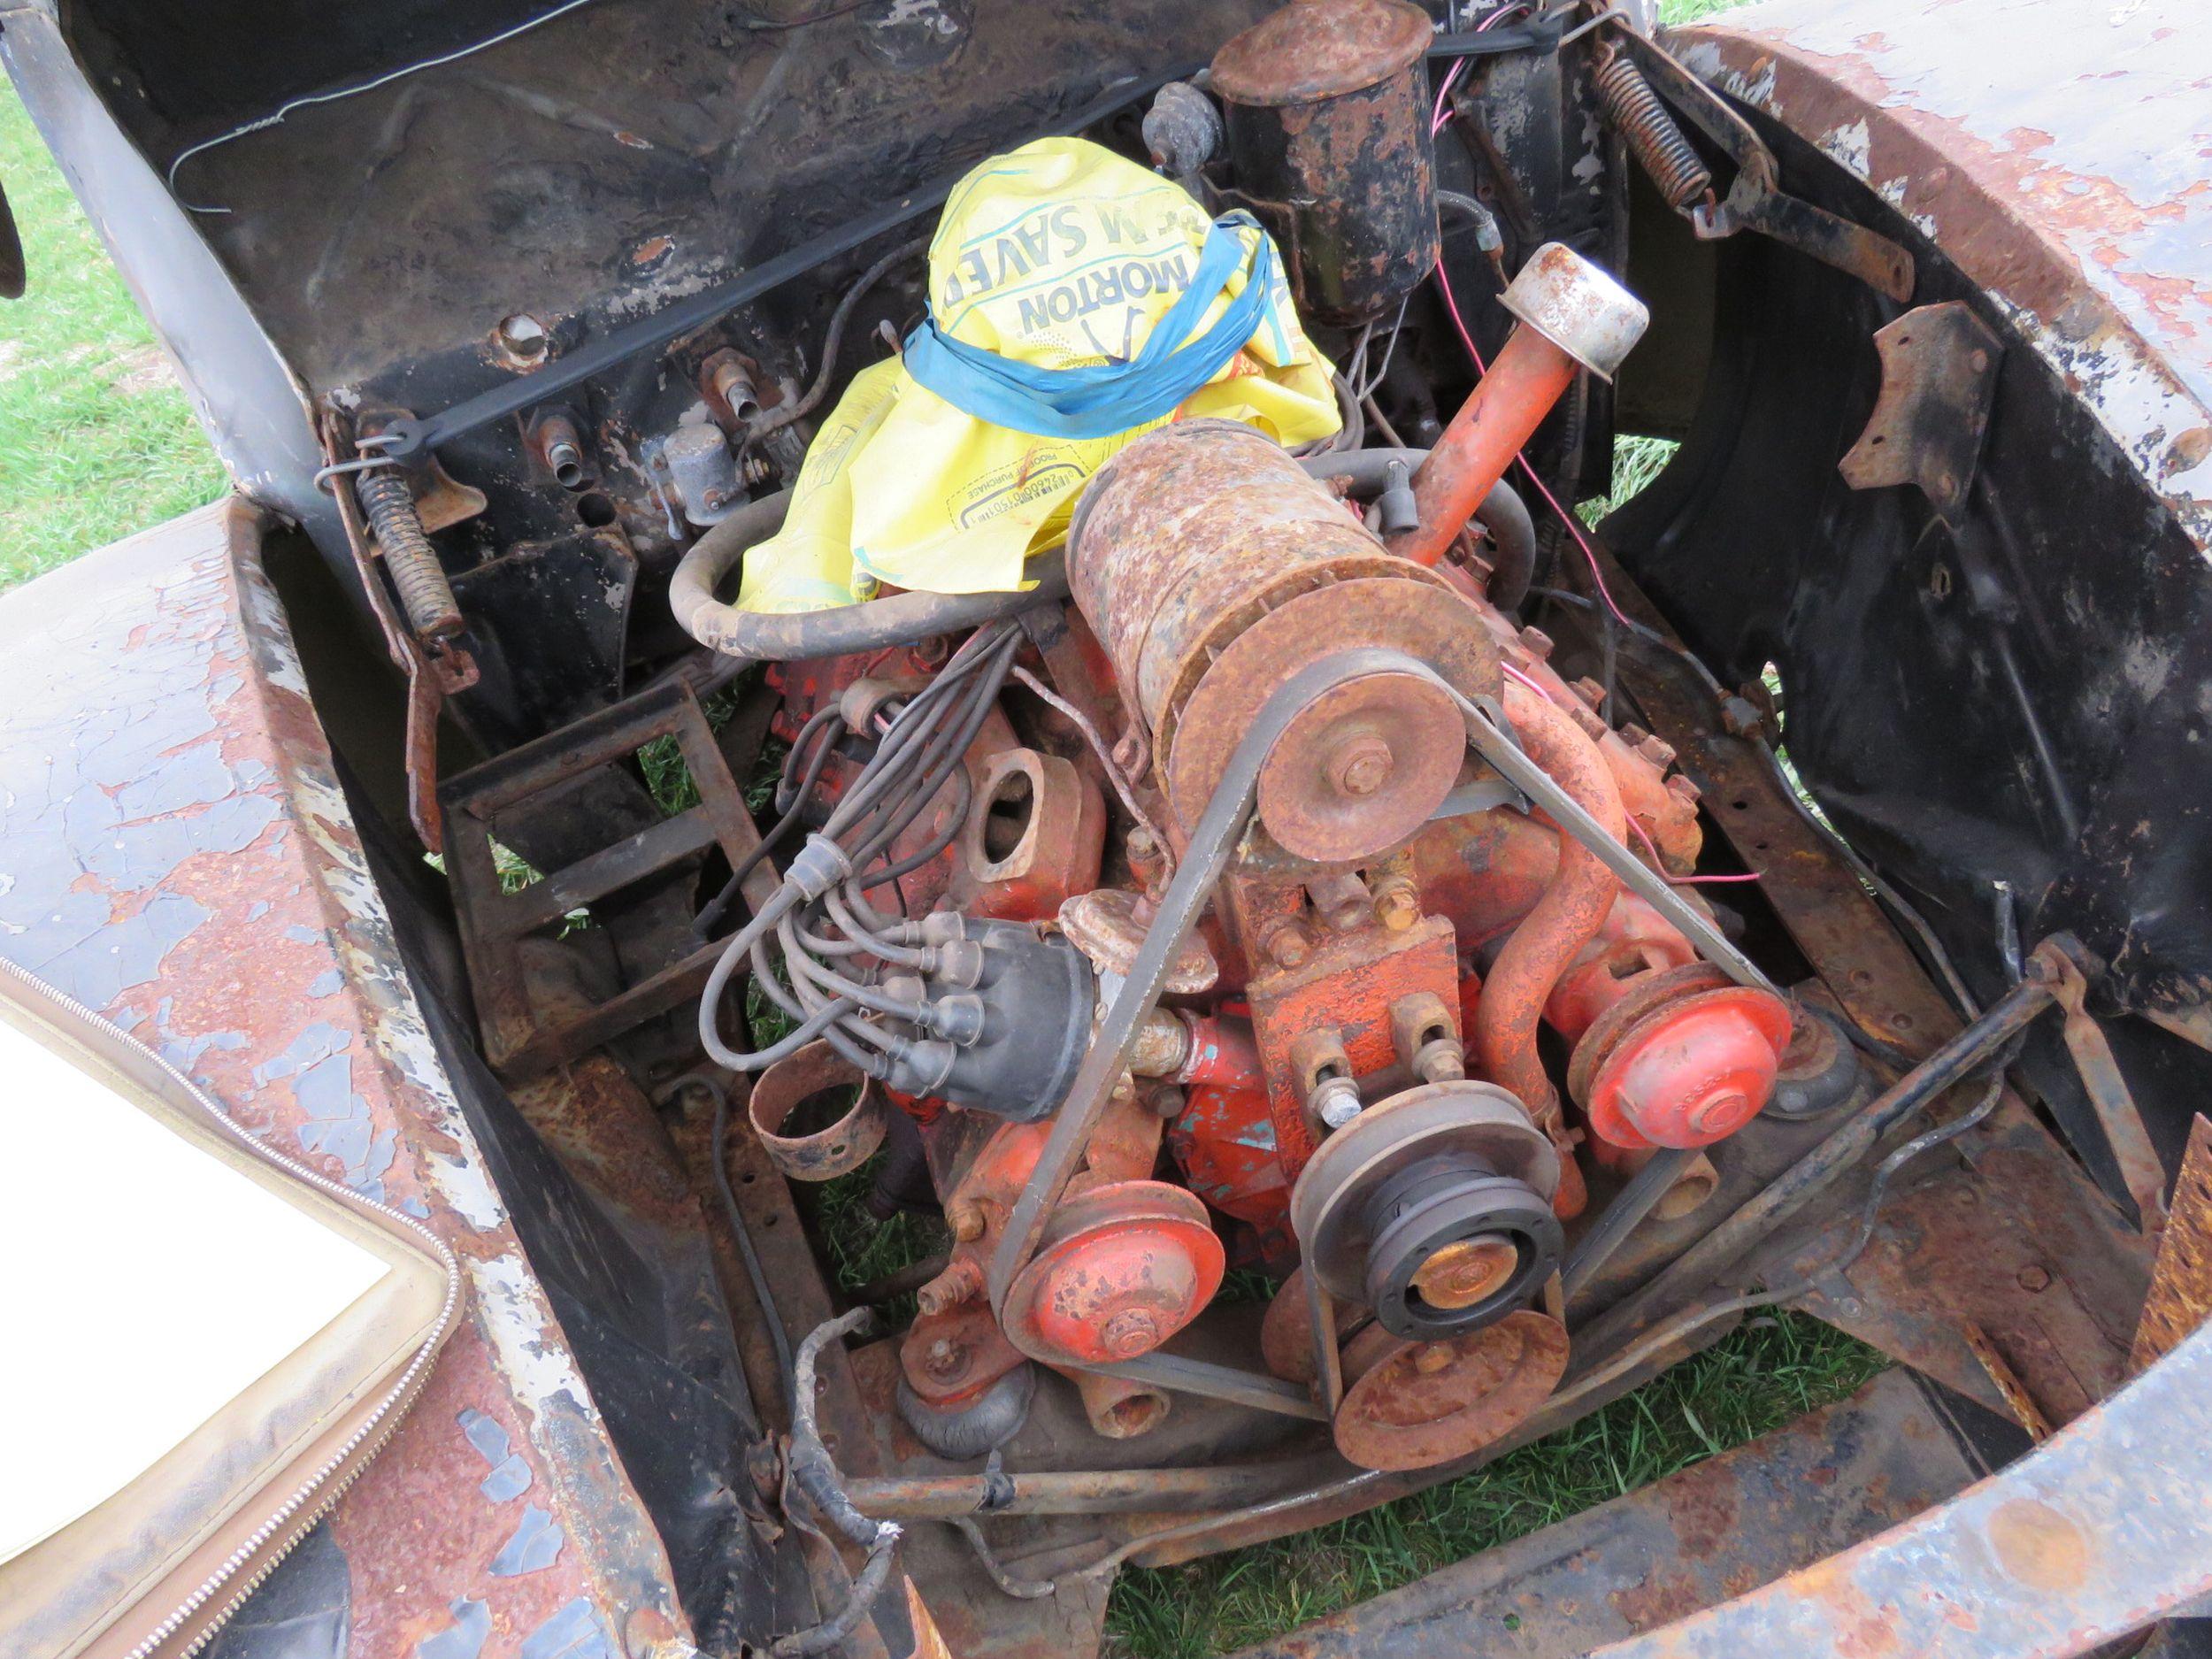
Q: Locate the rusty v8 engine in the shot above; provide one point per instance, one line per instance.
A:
(1283, 954)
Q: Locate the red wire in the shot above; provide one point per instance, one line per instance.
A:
(1440, 118)
(1682, 881)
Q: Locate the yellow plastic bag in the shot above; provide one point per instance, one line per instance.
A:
(1058, 255)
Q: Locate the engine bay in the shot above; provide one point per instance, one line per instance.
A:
(1341, 959)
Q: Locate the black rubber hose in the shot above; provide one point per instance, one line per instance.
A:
(759, 636)
(1512, 531)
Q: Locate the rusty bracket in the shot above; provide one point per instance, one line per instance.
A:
(521, 1039)
(1757, 200)
(1938, 378)
(2070, 968)
(2181, 1283)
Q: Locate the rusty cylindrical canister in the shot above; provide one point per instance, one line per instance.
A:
(1213, 569)
(1572, 316)
(1328, 126)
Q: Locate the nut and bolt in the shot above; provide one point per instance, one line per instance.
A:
(945, 1358)
(1443, 1060)
(1658, 751)
(2035, 1279)
(1536, 642)
(1285, 944)
(1739, 717)
(965, 1216)
(1680, 784)
(1589, 691)
(1336, 1101)
(1131, 1332)
(1397, 904)
(1359, 766)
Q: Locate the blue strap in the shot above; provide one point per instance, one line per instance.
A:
(1102, 399)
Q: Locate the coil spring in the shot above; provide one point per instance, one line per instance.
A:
(1634, 110)
(389, 506)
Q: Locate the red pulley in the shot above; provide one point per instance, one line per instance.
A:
(1121, 1268)
(1689, 1072)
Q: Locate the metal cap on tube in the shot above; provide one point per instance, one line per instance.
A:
(1577, 307)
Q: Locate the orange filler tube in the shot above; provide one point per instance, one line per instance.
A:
(1572, 317)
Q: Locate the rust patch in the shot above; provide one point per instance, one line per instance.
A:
(2039, 1545)
(2181, 1283)
(1659, 1600)
(1704, 1505)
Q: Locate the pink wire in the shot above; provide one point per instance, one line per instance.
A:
(1440, 118)
(1642, 833)
(1681, 881)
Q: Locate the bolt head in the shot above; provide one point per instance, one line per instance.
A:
(1462, 1274)
(1339, 1107)
(1717, 1111)
(2033, 1279)
(1432, 1357)
(1288, 946)
(1359, 766)
(1398, 908)
(1131, 1332)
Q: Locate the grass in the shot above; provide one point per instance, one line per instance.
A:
(96, 439)
(1752, 1381)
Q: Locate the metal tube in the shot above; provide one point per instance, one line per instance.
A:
(1570, 913)
(1498, 419)
(1077, 1491)
(1497, 746)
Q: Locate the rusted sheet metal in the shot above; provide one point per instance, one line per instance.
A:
(2181, 1283)
(1744, 1519)
(2054, 184)
(2009, 1238)
(838, 1149)
(2097, 1533)
(180, 858)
